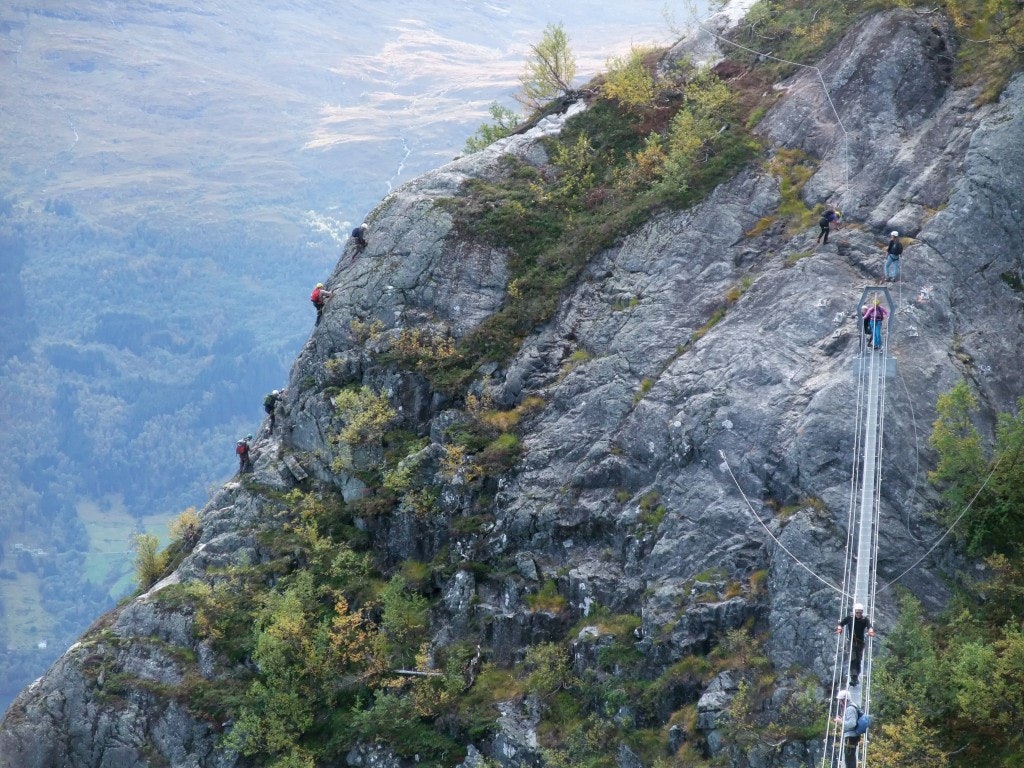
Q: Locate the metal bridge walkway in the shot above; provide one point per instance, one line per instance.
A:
(871, 368)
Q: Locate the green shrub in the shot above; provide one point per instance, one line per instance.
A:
(547, 599)
(150, 562)
(364, 414)
(394, 720)
(629, 81)
(505, 123)
(547, 669)
(501, 454)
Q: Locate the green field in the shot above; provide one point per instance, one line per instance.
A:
(26, 621)
(108, 563)
(110, 529)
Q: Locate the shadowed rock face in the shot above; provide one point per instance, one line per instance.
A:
(648, 413)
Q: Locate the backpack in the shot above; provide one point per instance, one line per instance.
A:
(315, 297)
(268, 403)
(242, 448)
(823, 222)
(863, 723)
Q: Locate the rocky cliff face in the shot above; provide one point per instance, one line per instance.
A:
(650, 424)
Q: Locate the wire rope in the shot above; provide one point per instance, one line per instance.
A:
(948, 530)
(783, 547)
(816, 70)
(839, 659)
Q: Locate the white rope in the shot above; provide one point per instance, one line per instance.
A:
(816, 70)
(774, 538)
(949, 530)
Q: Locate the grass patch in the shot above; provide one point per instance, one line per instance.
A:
(547, 599)
(645, 387)
(792, 258)
(793, 169)
(715, 319)
(576, 359)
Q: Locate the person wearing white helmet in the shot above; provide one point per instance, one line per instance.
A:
(849, 714)
(319, 297)
(857, 624)
(892, 259)
(359, 235)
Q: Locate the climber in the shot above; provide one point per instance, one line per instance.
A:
(829, 218)
(849, 715)
(270, 406)
(857, 624)
(874, 317)
(319, 298)
(359, 235)
(892, 259)
(242, 449)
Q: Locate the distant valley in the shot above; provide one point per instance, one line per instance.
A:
(173, 180)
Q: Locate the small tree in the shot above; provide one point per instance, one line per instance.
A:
(547, 667)
(907, 742)
(186, 525)
(961, 465)
(505, 122)
(549, 71)
(404, 618)
(365, 414)
(576, 169)
(991, 488)
(149, 560)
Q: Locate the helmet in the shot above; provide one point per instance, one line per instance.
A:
(843, 695)
(858, 607)
(248, 437)
(242, 440)
(275, 392)
(894, 233)
(319, 285)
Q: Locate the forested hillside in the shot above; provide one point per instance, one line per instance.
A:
(131, 365)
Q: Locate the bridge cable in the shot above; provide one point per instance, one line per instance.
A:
(750, 508)
(816, 70)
